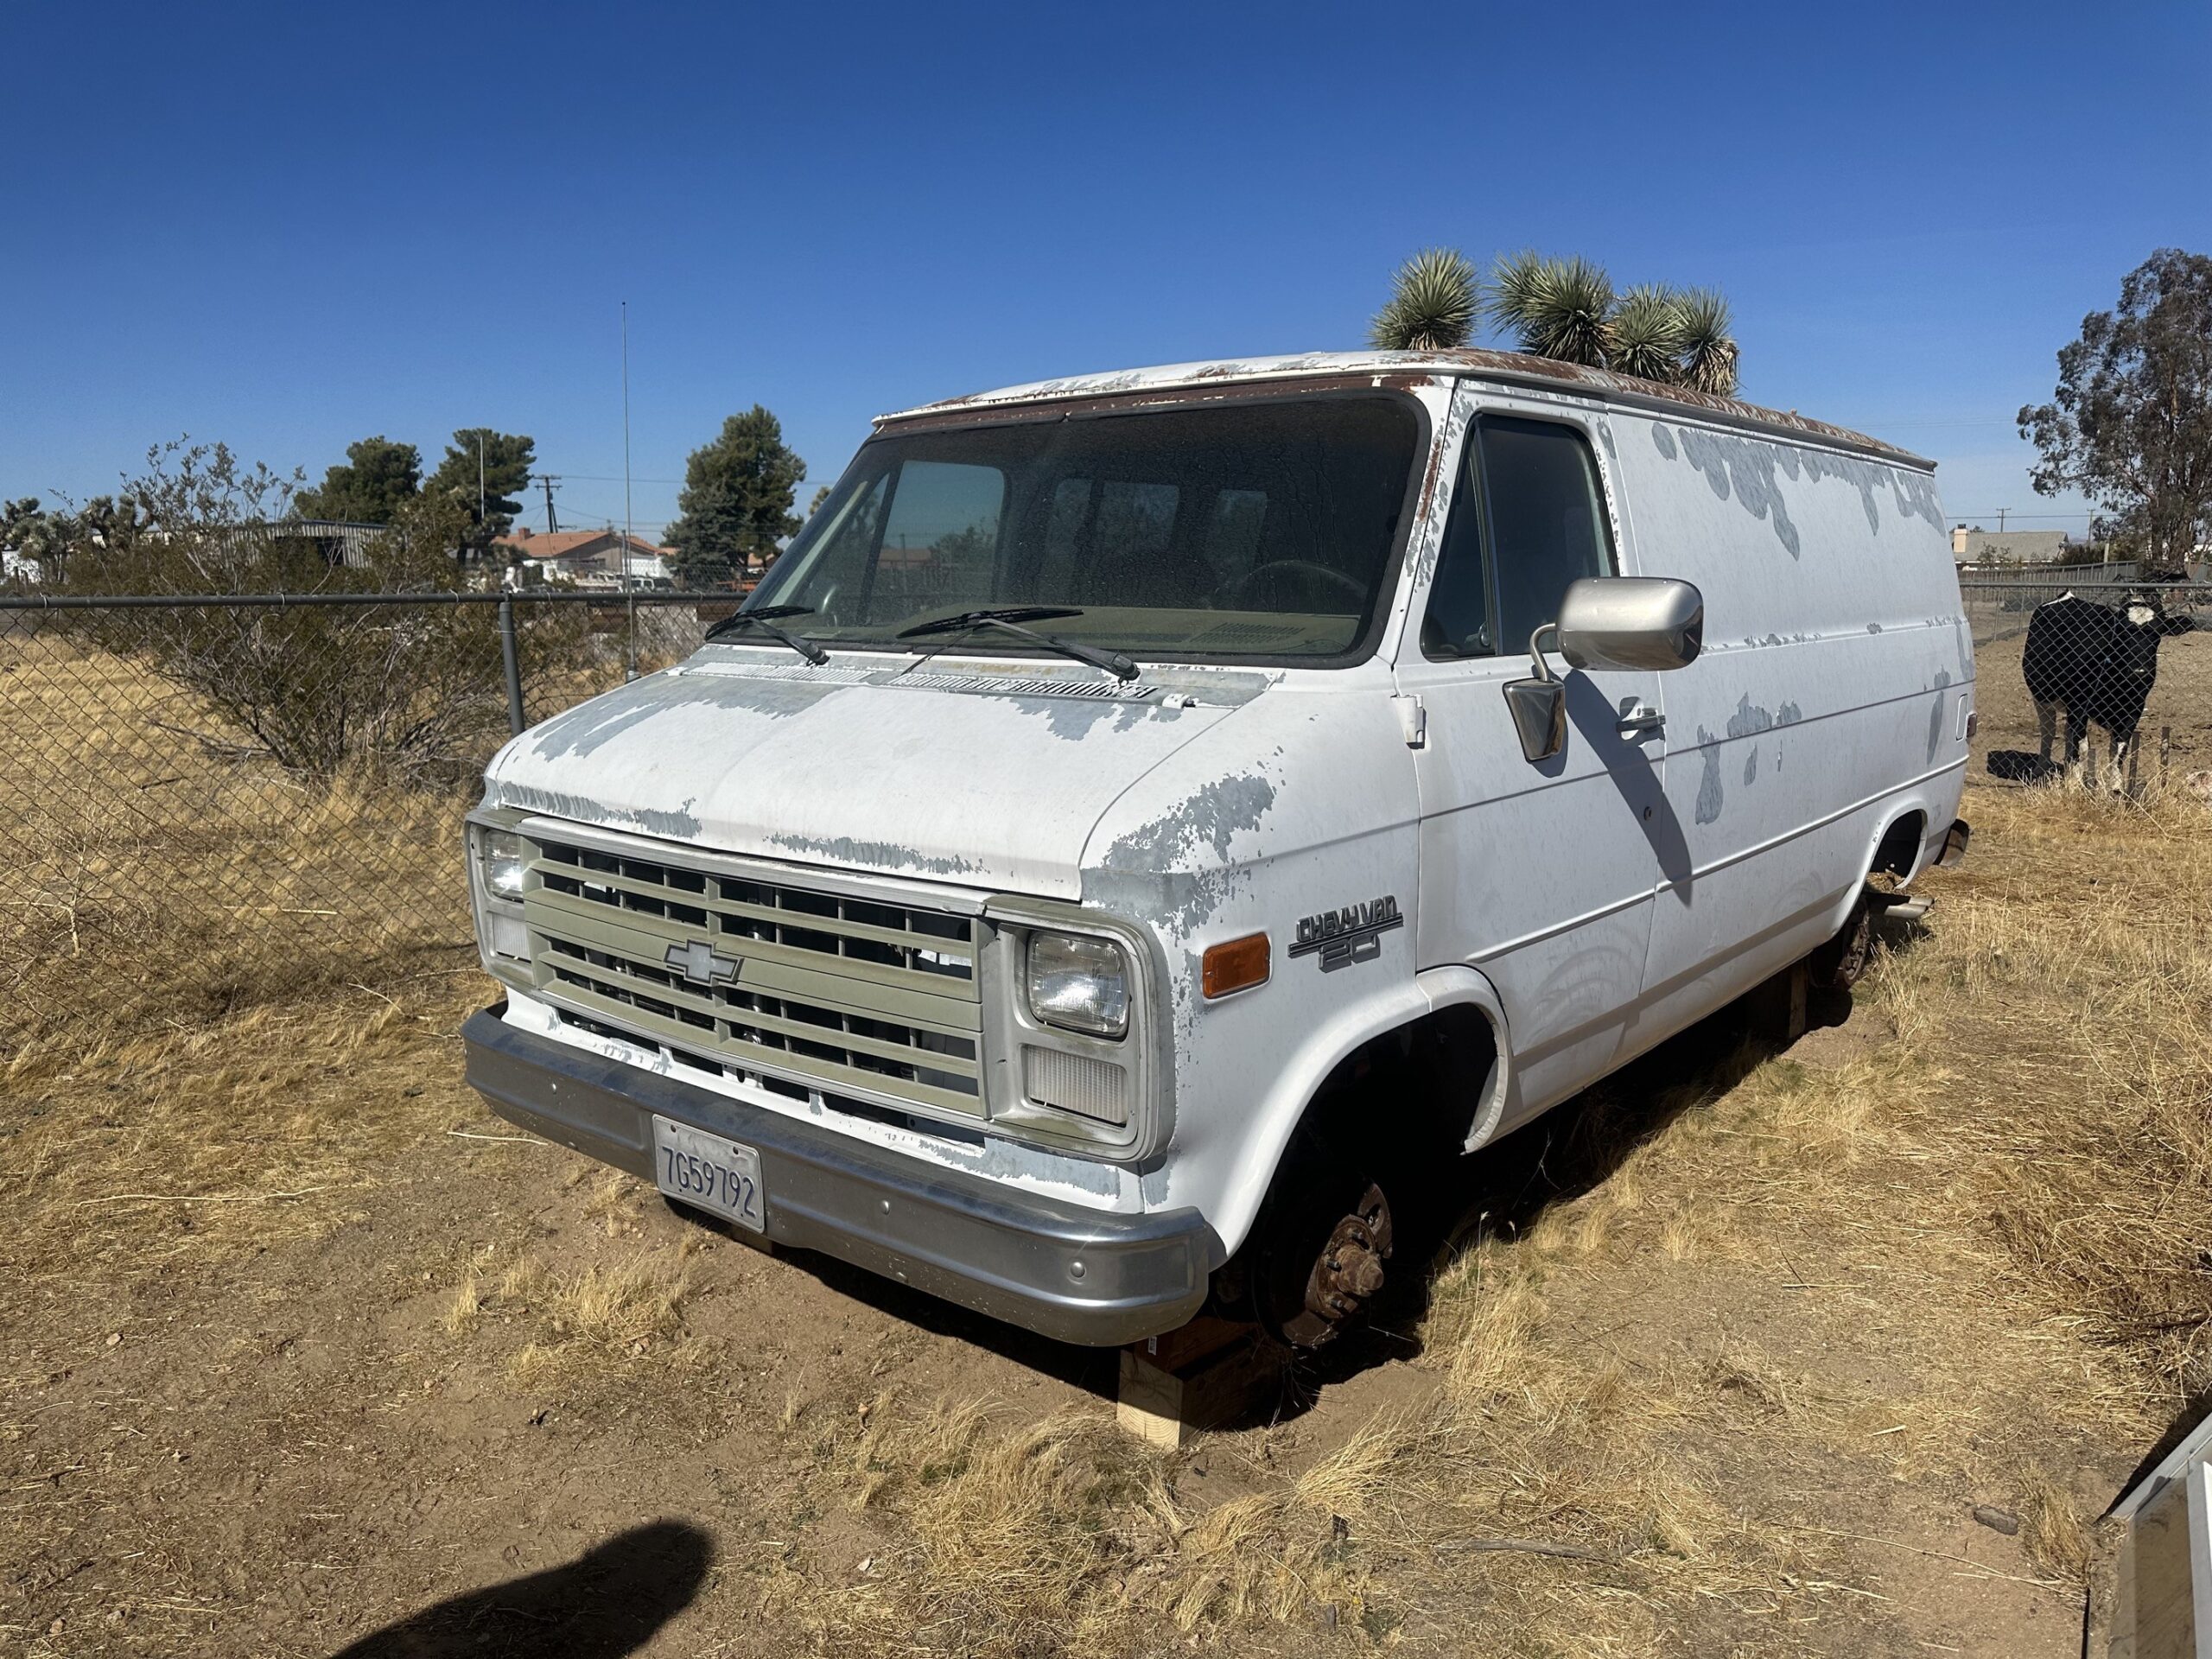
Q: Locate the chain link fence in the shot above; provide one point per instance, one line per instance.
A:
(204, 800)
(2107, 683)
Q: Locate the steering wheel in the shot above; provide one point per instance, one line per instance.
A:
(1237, 588)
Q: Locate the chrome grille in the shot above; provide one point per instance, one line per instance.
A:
(759, 976)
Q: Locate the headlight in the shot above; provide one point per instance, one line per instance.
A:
(505, 856)
(1079, 983)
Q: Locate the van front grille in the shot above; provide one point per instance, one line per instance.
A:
(756, 976)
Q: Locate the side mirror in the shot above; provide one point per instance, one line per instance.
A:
(1539, 710)
(1647, 622)
(1632, 622)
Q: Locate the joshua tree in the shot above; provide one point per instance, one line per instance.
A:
(1433, 302)
(1559, 308)
(1708, 354)
(1646, 334)
(1566, 309)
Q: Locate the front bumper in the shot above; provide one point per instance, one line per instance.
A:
(1072, 1274)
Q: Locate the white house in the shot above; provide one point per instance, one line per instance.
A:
(589, 558)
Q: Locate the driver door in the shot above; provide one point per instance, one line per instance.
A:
(1540, 876)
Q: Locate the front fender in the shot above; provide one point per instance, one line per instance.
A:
(1293, 1086)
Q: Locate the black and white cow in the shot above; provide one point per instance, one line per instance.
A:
(2096, 662)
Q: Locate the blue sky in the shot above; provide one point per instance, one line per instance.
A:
(290, 227)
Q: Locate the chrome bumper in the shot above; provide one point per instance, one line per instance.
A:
(1069, 1272)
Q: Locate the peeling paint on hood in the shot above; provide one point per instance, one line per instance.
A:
(879, 778)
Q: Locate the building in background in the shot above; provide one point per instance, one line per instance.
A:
(1979, 546)
(589, 558)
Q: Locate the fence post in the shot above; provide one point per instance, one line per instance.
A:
(512, 662)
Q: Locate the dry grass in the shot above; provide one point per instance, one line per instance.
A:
(1767, 1295)
(2015, 1181)
(154, 866)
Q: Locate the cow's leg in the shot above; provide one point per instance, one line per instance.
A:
(2077, 763)
(2123, 745)
(2046, 724)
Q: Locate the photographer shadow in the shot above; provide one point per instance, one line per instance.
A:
(608, 1601)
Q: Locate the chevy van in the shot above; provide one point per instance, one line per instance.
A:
(1145, 819)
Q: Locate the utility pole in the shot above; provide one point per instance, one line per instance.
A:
(552, 520)
(2001, 511)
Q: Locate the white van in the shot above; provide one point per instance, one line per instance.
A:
(1127, 833)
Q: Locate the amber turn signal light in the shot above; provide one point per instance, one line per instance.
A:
(1235, 966)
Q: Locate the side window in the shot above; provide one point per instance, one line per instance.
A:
(1457, 622)
(1547, 519)
(940, 544)
(1527, 519)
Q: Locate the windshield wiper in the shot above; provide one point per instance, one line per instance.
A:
(763, 620)
(1008, 618)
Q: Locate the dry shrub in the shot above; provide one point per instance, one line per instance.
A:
(153, 870)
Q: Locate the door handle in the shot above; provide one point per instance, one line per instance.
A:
(1641, 720)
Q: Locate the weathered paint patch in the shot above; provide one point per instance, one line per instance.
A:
(1787, 714)
(872, 855)
(1073, 719)
(1663, 440)
(1444, 449)
(589, 726)
(676, 824)
(1709, 797)
(1208, 820)
(1744, 469)
(1182, 857)
(1935, 712)
(1748, 718)
(1751, 765)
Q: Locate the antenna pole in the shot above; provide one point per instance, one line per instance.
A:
(630, 599)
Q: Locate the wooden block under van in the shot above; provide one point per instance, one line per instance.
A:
(1221, 1372)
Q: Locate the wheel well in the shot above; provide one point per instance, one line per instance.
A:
(1434, 1074)
(1899, 850)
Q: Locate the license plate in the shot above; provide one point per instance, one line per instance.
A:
(710, 1173)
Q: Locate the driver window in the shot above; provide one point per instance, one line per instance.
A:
(1547, 519)
(1527, 519)
(1457, 623)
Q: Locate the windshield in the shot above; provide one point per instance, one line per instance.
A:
(1260, 530)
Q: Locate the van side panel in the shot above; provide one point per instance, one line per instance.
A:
(1830, 699)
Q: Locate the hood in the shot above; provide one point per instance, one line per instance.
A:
(990, 779)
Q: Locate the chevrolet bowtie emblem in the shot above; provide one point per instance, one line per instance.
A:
(697, 962)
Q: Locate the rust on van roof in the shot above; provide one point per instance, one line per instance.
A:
(1163, 384)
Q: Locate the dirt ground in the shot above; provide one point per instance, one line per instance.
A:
(303, 1352)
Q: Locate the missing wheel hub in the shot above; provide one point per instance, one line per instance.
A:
(1346, 1274)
